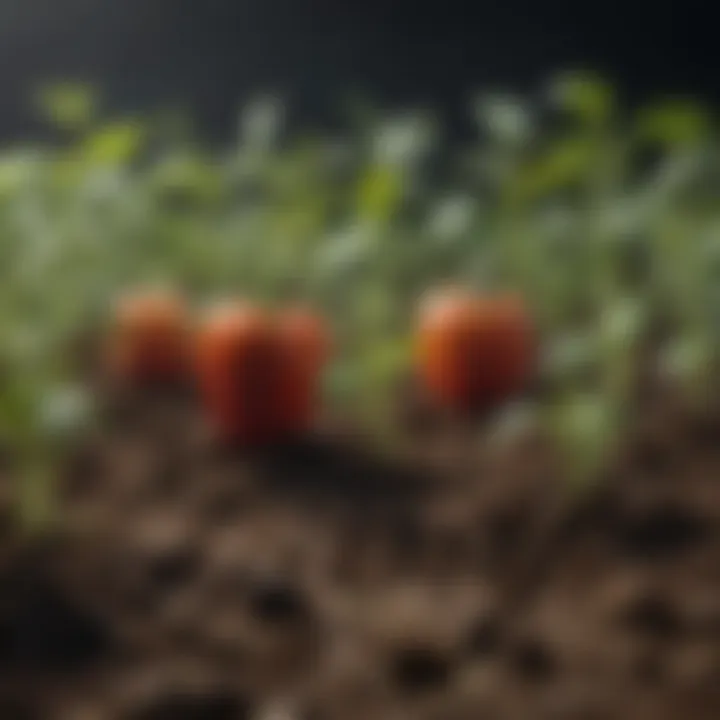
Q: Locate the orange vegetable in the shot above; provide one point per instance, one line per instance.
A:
(149, 339)
(473, 352)
(305, 346)
(258, 373)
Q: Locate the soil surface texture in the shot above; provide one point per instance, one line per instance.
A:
(466, 581)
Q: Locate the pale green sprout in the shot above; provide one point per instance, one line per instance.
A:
(260, 124)
(506, 118)
(403, 142)
(622, 325)
(452, 218)
(344, 252)
(20, 172)
(65, 413)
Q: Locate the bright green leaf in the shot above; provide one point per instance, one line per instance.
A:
(379, 193)
(114, 144)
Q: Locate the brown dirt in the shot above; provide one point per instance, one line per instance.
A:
(316, 582)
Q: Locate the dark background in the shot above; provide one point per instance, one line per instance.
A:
(209, 55)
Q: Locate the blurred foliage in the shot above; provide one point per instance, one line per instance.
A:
(70, 106)
(609, 224)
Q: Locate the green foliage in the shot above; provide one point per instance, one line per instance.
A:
(114, 144)
(379, 193)
(586, 95)
(601, 244)
(674, 123)
(70, 106)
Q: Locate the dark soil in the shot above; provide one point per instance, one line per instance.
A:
(317, 582)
